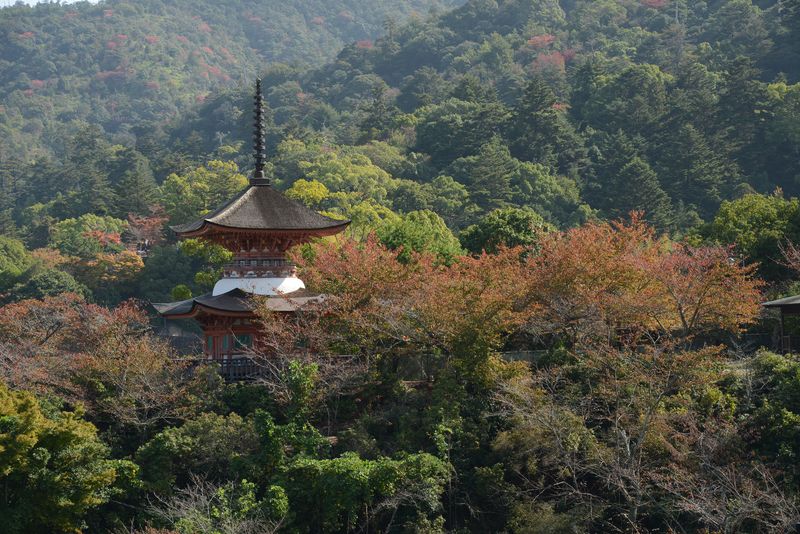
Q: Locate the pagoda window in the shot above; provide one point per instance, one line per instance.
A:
(210, 345)
(226, 344)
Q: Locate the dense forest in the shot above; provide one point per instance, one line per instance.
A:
(544, 317)
(120, 64)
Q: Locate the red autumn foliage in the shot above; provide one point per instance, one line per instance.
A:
(26, 35)
(148, 228)
(121, 37)
(104, 238)
(569, 54)
(111, 74)
(207, 50)
(108, 12)
(108, 360)
(151, 39)
(227, 55)
(319, 21)
(541, 41)
(560, 106)
(376, 301)
(28, 92)
(603, 278)
(182, 38)
(654, 4)
(37, 84)
(152, 85)
(203, 27)
(364, 44)
(70, 14)
(111, 45)
(550, 60)
(346, 15)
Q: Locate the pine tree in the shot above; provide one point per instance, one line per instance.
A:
(540, 133)
(136, 189)
(693, 172)
(488, 174)
(625, 182)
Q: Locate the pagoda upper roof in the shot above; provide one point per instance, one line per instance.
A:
(262, 207)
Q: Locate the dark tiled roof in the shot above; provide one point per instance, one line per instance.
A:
(787, 301)
(236, 301)
(262, 207)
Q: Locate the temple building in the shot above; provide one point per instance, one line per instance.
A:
(258, 227)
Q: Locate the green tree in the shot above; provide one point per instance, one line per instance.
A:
(488, 174)
(311, 193)
(336, 495)
(420, 231)
(694, 172)
(219, 448)
(455, 128)
(200, 191)
(350, 173)
(88, 235)
(53, 467)
(556, 198)
(135, 188)
(508, 227)
(540, 133)
(14, 261)
(757, 225)
(48, 283)
(625, 182)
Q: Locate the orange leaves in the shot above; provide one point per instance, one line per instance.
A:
(604, 278)
(541, 41)
(108, 268)
(706, 288)
(422, 305)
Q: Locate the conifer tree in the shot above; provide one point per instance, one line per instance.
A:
(539, 131)
(625, 182)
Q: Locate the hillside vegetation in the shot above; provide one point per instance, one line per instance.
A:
(119, 63)
(545, 316)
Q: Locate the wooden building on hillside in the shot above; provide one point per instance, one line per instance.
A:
(258, 227)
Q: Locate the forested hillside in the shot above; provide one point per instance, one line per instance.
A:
(120, 63)
(544, 317)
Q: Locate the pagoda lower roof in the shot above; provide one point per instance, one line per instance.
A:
(234, 302)
(262, 207)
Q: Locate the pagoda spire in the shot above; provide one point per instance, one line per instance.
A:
(259, 178)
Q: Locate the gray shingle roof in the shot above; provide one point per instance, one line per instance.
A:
(786, 301)
(262, 207)
(236, 300)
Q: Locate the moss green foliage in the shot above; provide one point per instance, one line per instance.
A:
(47, 283)
(87, 235)
(200, 191)
(14, 261)
(509, 227)
(420, 231)
(499, 122)
(53, 467)
(142, 62)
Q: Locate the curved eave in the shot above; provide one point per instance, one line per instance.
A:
(784, 302)
(285, 303)
(209, 228)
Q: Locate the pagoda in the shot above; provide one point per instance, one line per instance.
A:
(258, 226)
